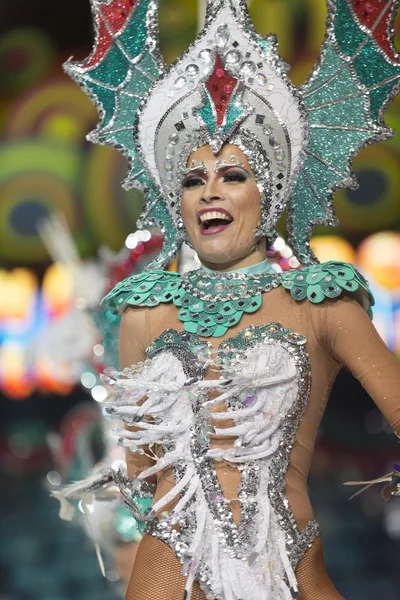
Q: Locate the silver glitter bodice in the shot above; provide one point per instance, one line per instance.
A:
(263, 377)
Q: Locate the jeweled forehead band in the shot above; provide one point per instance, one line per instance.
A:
(233, 161)
(197, 166)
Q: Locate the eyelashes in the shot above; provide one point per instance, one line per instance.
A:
(191, 182)
(230, 176)
(239, 176)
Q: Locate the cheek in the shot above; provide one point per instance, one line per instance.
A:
(185, 208)
(188, 214)
(252, 205)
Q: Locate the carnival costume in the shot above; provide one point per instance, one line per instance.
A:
(237, 366)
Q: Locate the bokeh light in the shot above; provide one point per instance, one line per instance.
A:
(379, 255)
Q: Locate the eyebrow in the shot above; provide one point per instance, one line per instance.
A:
(198, 170)
(205, 171)
(225, 168)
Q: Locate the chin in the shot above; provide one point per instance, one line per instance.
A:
(214, 252)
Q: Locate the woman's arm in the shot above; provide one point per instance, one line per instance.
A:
(353, 341)
(133, 340)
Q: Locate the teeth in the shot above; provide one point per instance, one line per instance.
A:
(214, 215)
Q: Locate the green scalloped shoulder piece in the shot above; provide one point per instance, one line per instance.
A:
(326, 280)
(146, 289)
(208, 304)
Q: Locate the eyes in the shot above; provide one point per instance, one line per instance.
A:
(190, 182)
(232, 176)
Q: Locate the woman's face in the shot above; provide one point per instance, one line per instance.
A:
(221, 208)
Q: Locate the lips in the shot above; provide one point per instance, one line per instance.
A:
(213, 220)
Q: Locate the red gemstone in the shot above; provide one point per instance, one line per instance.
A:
(219, 81)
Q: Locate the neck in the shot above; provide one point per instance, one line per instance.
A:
(256, 257)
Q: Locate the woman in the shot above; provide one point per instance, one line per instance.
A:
(332, 334)
(226, 370)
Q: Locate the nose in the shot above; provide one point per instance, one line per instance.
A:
(211, 192)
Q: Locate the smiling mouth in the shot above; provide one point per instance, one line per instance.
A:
(214, 221)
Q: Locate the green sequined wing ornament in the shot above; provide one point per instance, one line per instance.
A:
(117, 76)
(356, 77)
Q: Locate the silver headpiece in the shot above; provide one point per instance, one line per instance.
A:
(231, 86)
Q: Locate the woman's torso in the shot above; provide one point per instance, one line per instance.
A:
(314, 371)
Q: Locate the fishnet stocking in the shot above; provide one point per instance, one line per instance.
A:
(157, 574)
(312, 578)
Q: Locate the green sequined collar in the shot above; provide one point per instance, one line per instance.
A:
(210, 285)
(210, 303)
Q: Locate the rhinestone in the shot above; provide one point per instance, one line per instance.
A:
(206, 56)
(270, 87)
(180, 83)
(222, 36)
(170, 152)
(248, 68)
(215, 146)
(192, 70)
(261, 79)
(233, 57)
(273, 141)
(268, 129)
(179, 126)
(169, 165)
(280, 154)
(173, 139)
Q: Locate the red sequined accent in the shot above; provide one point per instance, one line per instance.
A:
(221, 86)
(115, 15)
(368, 11)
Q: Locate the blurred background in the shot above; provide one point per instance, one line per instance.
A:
(52, 277)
